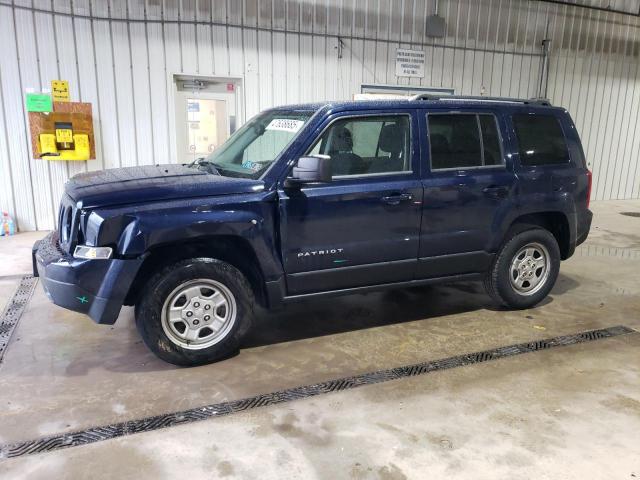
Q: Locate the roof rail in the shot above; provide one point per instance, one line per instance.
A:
(531, 101)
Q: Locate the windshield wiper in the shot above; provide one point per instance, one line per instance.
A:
(203, 162)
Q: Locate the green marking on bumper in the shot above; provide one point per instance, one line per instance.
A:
(83, 299)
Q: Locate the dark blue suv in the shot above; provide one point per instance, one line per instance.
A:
(323, 199)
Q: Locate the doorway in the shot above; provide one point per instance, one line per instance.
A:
(207, 112)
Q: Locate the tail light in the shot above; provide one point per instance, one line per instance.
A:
(589, 180)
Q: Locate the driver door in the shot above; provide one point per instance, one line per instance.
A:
(363, 227)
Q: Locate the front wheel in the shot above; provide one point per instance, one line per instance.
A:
(525, 269)
(195, 311)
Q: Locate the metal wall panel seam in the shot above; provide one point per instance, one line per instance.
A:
(24, 116)
(515, 49)
(495, 46)
(576, 54)
(75, 45)
(166, 77)
(592, 137)
(600, 185)
(464, 56)
(180, 23)
(504, 44)
(444, 42)
(455, 41)
(197, 42)
(627, 151)
(619, 117)
(67, 55)
(586, 138)
(95, 69)
(211, 38)
(627, 154)
(535, 43)
(57, 172)
(5, 133)
(133, 89)
(151, 115)
(414, 81)
(581, 98)
(524, 46)
(113, 66)
(40, 174)
(634, 180)
(556, 84)
(622, 155)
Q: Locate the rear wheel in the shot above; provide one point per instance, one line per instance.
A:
(525, 269)
(195, 312)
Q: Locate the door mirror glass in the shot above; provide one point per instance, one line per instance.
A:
(311, 169)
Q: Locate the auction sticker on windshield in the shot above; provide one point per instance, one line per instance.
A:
(285, 124)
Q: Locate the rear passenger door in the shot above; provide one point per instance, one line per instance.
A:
(467, 189)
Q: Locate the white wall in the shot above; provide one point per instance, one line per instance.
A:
(120, 55)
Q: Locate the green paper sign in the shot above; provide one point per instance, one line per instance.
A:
(38, 102)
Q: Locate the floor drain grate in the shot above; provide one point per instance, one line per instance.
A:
(106, 432)
(14, 309)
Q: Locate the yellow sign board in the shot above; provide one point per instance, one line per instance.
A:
(60, 90)
(64, 135)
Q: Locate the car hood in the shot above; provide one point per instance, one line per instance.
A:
(120, 186)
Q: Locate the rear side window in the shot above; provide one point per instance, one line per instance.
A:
(540, 139)
(464, 141)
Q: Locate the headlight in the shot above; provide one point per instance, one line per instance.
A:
(92, 253)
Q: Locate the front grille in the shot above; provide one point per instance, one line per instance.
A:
(49, 248)
(67, 223)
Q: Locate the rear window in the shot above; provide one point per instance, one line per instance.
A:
(540, 140)
(464, 141)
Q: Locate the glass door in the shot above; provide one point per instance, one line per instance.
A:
(206, 114)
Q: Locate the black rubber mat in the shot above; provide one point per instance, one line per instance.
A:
(15, 307)
(106, 432)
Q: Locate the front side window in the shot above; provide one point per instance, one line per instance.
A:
(251, 150)
(540, 140)
(464, 141)
(367, 145)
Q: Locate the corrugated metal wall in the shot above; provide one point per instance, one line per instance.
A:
(120, 55)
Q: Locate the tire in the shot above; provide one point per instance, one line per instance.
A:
(516, 279)
(195, 311)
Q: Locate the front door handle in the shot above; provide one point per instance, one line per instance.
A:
(496, 191)
(395, 199)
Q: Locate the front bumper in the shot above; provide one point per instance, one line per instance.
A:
(96, 288)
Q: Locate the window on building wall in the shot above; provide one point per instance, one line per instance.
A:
(367, 145)
(464, 141)
(540, 140)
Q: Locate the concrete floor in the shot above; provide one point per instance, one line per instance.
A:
(571, 412)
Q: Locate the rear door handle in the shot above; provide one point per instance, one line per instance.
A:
(395, 199)
(495, 191)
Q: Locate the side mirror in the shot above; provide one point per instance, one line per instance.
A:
(310, 169)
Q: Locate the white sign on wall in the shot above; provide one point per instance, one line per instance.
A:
(409, 63)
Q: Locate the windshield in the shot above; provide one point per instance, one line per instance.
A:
(250, 151)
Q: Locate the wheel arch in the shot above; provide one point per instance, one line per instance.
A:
(232, 249)
(555, 222)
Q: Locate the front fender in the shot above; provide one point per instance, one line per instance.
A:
(151, 226)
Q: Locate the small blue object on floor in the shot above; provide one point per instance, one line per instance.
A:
(7, 226)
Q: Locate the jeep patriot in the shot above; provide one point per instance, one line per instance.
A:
(323, 199)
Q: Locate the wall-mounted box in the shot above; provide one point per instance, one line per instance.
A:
(64, 134)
